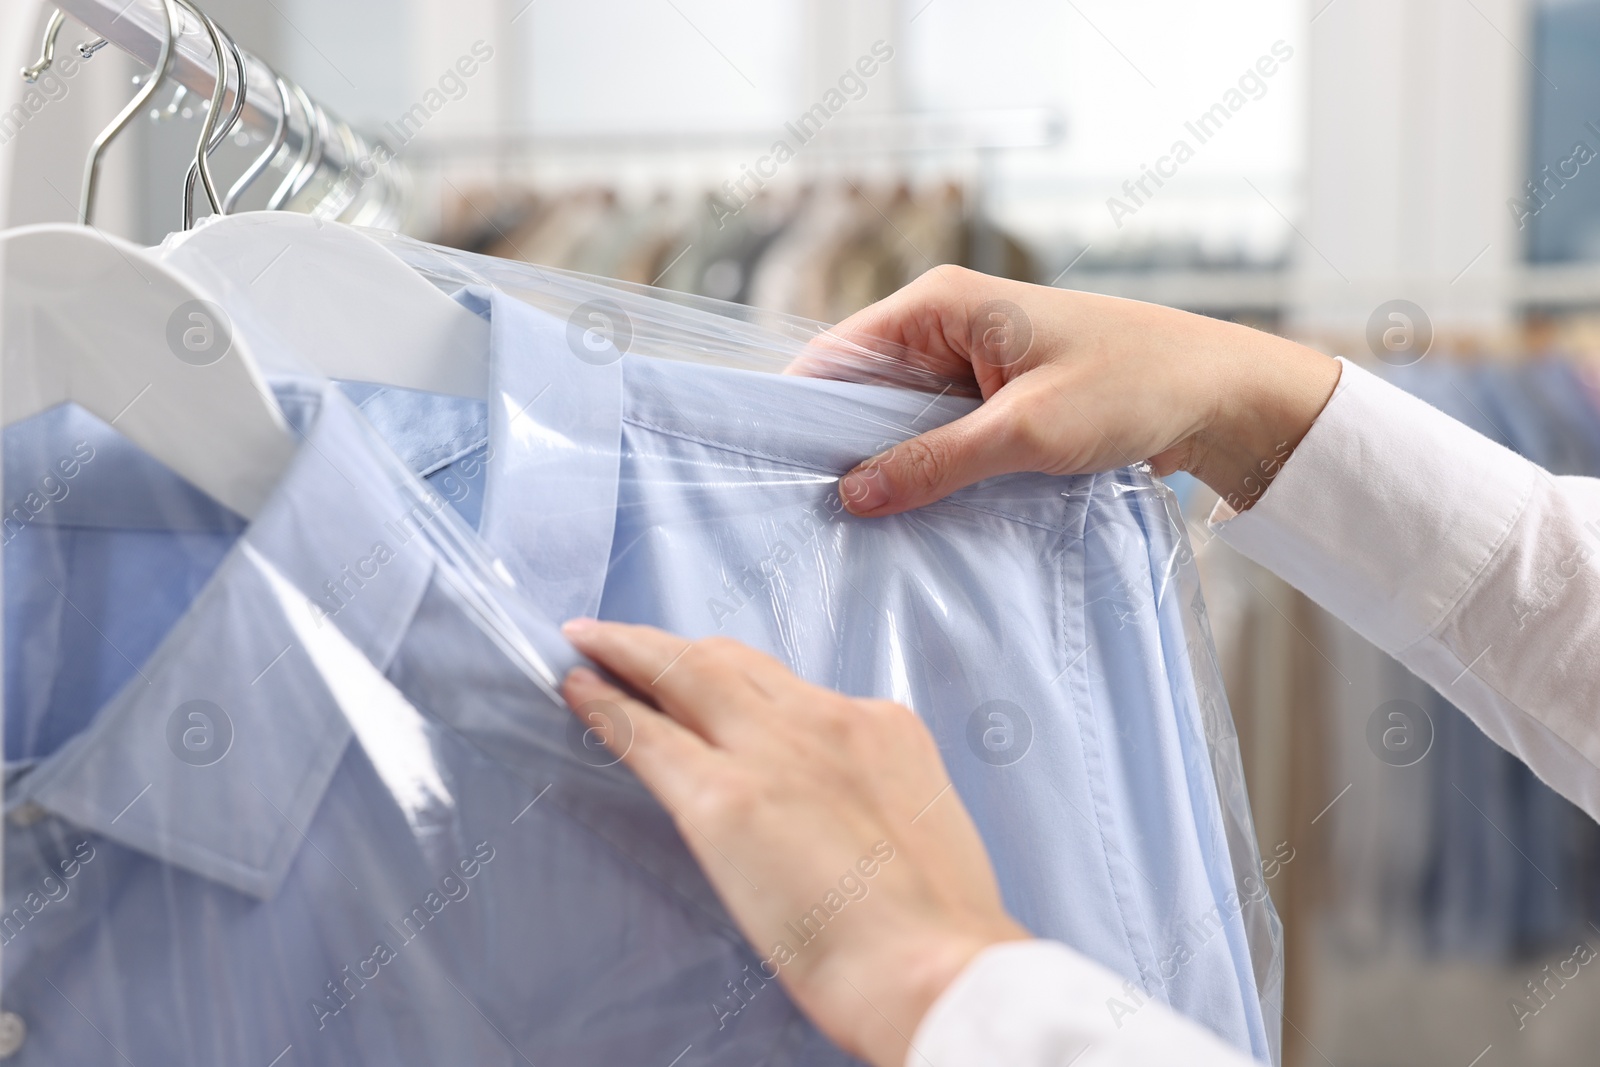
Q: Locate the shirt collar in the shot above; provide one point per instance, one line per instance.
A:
(555, 429)
(562, 391)
(216, 755)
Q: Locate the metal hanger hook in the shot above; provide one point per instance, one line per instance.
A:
(279, 136)
(210, 137)
(309, 158)
(47, 48)
(91, 168)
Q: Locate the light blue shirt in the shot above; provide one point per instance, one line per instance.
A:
(297, 792)
(402, 855)
(1035, 623)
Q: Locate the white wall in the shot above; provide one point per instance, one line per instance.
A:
(1417, 113)
(1128, 76)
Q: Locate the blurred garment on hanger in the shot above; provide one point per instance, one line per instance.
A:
(822, 250)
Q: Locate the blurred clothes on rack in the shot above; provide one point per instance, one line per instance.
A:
(1455, 851)
(1512, 867)
(1277, 685)
(823, 250)
(1381, 828)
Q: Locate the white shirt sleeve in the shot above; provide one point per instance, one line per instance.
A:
(1475, 568)
(1470, 565)
(1041, 1004)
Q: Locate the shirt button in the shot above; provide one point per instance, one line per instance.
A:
(13, 1032)
(26, 814)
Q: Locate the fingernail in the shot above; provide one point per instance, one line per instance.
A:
(576, 628)
(864, 490)
(582, 676)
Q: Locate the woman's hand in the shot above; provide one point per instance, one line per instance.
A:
(1075, 383)
(827, 824)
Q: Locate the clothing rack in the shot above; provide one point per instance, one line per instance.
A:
(274, 108)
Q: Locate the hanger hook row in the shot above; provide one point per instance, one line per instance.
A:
(319, 128)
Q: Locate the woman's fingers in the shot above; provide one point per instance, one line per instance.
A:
(931, 466)
(813, 797)
(706, 685)
(925, 327)
(932, 315)
(667, 757)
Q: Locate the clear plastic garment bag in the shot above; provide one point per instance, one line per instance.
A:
(297, 786)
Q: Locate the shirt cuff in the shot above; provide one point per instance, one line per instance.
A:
(1041, 1004)
(1428, 500)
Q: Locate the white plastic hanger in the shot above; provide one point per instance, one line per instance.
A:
(88, 318)
(336, 299)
